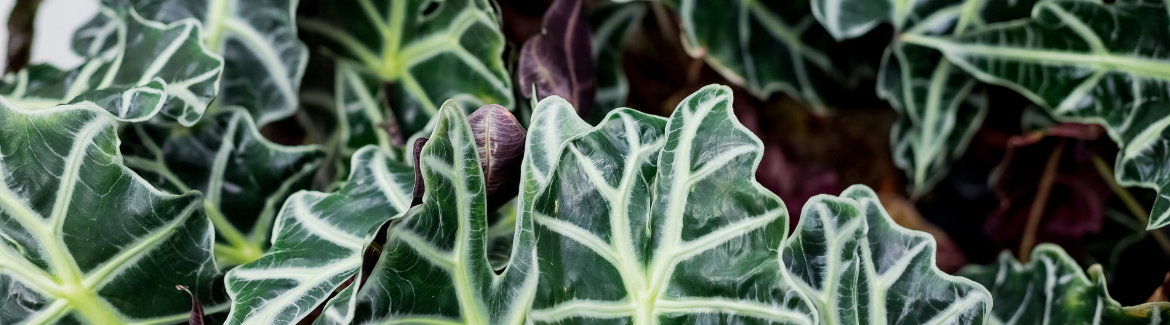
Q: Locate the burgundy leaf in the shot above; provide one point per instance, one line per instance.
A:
(560, 61)
(196, 307)
(500, 140)
(418, 181)
(1075, 206)
(793, 183)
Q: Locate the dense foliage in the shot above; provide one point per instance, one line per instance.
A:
(470, 162)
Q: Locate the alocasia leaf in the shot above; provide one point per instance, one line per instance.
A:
(361, 111)
(263, 58)
(152, 68)
(425, 51)
(1052, 289)
(559, 61)
(765, 46)
(858, 267)
(318, 241)
(648, 220)
(84, 239)
(1086, 62)
(434, 266)
(611, 25)
(244, 177)
(939, 108)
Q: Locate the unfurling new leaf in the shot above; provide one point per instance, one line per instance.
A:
(560, 60)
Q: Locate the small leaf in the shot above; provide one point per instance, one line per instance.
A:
(318, 242)
(560, 60)
(196, 307)
(263, 60)
(415, 48)
(84, 239)
(499, 138)
(611, 25)
(1086, 62)
(151, 68)
(1052, 289)
(245, 177)
(858, 267)
(764, 46)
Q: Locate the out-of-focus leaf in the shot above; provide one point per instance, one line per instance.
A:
(858, 267)
(425, 51)
(764, 46)
(1086, 62)
(361, 111)
(434, 268)
(1052, 289)
(263, 58)
(560, 60)
(938, 104)
(645, 219)
(244, 177)
(1075, 206)
(20, 34)
(196, 317)
(84, 239)
(610, 26)
(318, 242)
(149, 68)
(499, 139)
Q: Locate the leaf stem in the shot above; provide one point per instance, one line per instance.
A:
(1040, 202)
(1131, 203)
(243, 251)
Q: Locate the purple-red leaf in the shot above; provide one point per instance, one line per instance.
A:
(500, 140)
(560, 61)
(418, 180)
(196, 307)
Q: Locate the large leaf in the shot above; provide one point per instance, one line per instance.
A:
(765, 46)
(646, 220)
(318, 241)
(559, 61)
(939, 110)
(263, 59)
(1087, 62)
(244, 177)
(150, 68)
(434, 267)
(859, 267)
(1052, 289)
(84, 239)
(610, 26)
(425, 52)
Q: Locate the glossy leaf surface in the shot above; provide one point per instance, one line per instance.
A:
(560, 60)
(649, 220)
(1086, 62)
(85, 240)
(858, 267)
(434, 266)
(148, 67)
(318, 241)
(244, 177)
(1052, 289)
(764, 46)
(263, 59)
(425, 51)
